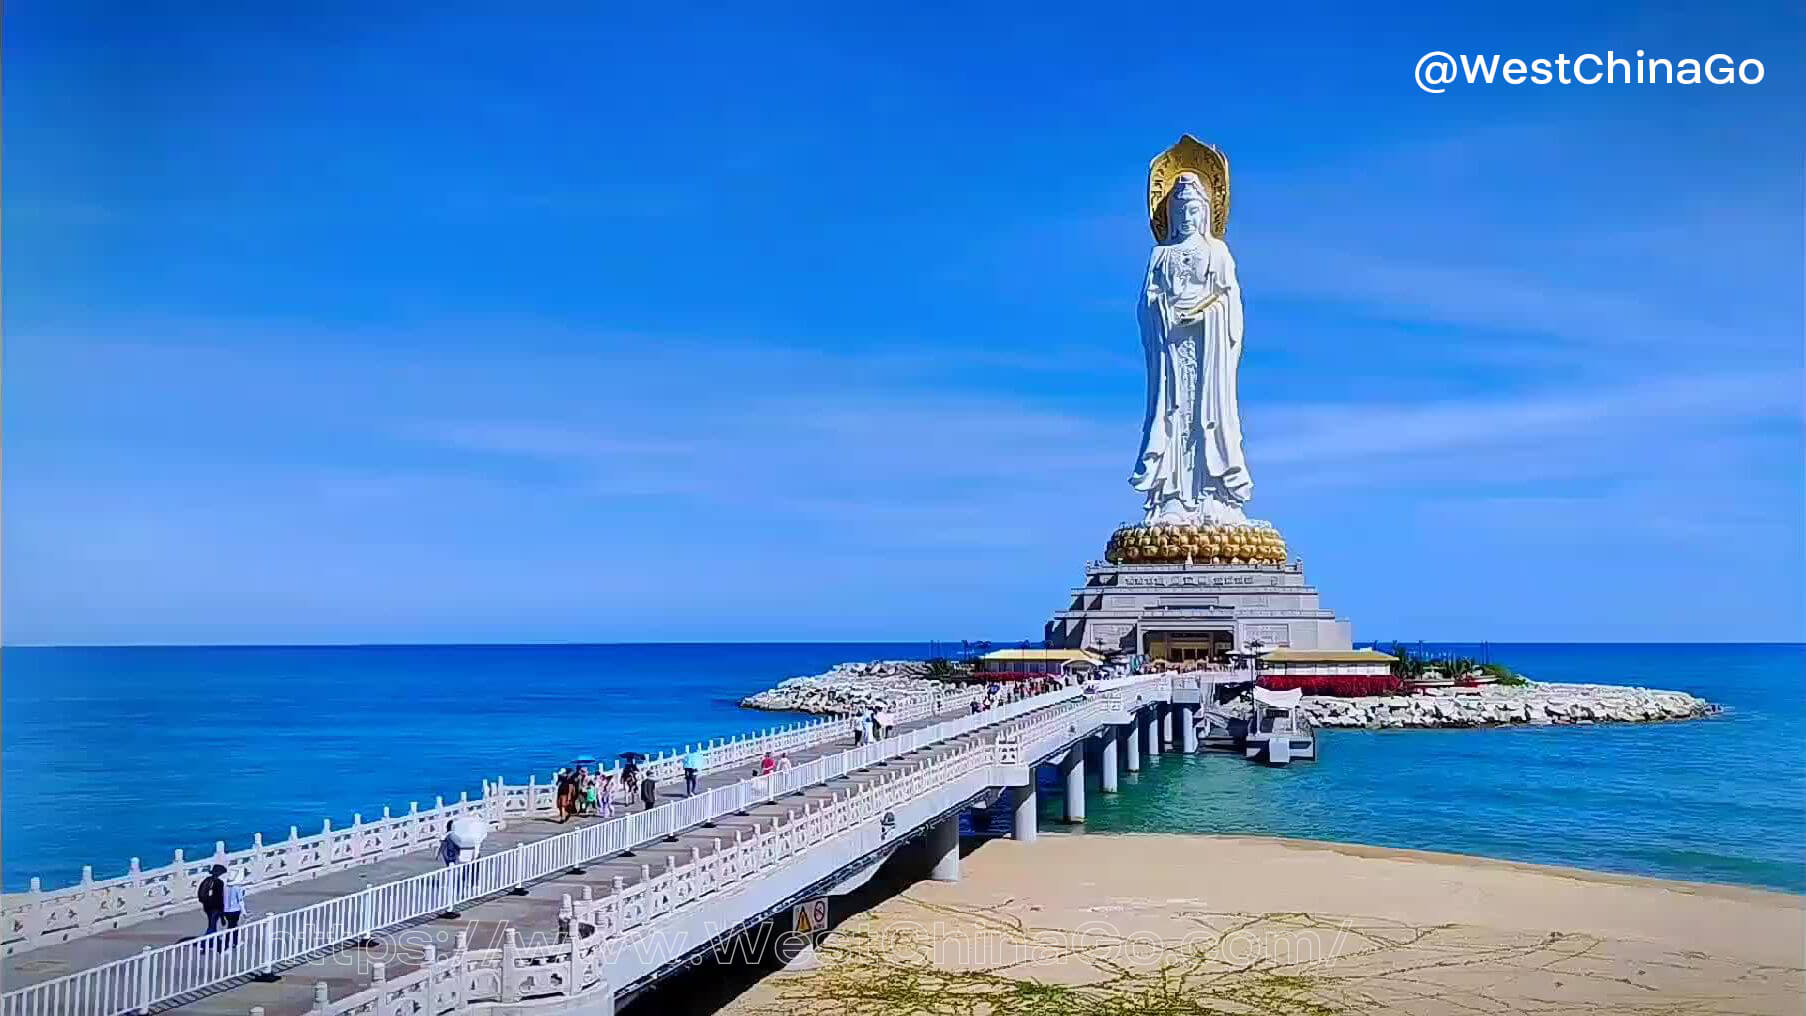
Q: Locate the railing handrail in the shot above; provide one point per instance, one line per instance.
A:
(275, 940)
(615, 919)
(589, 956)
(24, 916)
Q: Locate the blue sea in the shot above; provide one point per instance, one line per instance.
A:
(111, 753)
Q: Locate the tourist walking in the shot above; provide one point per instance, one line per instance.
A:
(767, 765)
(648, 793)
(590, 805)
(453, 853)
(692, 769)
(212, 896)
(234, 912)
(886, 722)
(605, 794)
(449, 851)
(568, 784)
(630, 780)
(783, 762)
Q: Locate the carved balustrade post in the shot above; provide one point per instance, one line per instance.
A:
(510, 973)
(136, 892)
(461, 983)
(573, 978)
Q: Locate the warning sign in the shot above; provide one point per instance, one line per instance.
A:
(810, 916)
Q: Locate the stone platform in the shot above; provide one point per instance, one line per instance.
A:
(1164, 609)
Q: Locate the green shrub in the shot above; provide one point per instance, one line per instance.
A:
(1502, 674)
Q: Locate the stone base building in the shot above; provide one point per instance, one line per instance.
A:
(1196, 612)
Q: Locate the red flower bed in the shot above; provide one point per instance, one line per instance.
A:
(1342, 685)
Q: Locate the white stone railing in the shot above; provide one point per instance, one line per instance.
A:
(197, 965)
(729, 752)
(604, 930)
(1136, 690)
(471, 978)
(38, 917)
(1074, 721)
(642, 905)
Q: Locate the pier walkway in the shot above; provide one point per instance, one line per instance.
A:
(581, 916)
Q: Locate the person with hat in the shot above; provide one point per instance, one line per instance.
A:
(212, 896)
(234, 907)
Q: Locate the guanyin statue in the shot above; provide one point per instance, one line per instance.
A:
(1191, 467)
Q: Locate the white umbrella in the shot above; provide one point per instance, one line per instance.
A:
(468, 833)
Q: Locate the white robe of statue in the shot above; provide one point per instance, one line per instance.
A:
(1191, 466)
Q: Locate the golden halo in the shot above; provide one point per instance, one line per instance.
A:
(1188, 154)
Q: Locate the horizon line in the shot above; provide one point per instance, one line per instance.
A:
(781, 642)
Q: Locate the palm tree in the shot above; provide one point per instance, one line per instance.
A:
(1409, 666)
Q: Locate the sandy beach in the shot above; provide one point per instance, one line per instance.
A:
(1157, 925)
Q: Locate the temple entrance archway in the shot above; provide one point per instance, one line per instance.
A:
(1210, 646)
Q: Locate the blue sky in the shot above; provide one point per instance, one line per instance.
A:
(609, 324)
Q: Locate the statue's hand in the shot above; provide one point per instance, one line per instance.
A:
(1185, 314)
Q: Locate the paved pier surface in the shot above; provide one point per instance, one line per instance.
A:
(534, 916)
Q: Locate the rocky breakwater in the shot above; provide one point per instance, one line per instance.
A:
(848, 687)
(1499, 706)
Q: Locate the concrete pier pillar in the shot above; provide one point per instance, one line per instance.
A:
(1150, 734)
(1075, 784)
(1161, 716)
(1187, 718)
(943, 846)
(1131, 739)
(1106, 759)
(1026, 826)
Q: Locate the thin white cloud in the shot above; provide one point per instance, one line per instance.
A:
(1561, 422)
(548, 441)
(1509, 301)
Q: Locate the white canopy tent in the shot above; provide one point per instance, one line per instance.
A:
(1278, 699)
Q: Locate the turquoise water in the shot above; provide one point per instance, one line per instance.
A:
(1719, 800)
(110, 753)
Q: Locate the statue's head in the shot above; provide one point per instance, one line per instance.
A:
(1189, 207)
